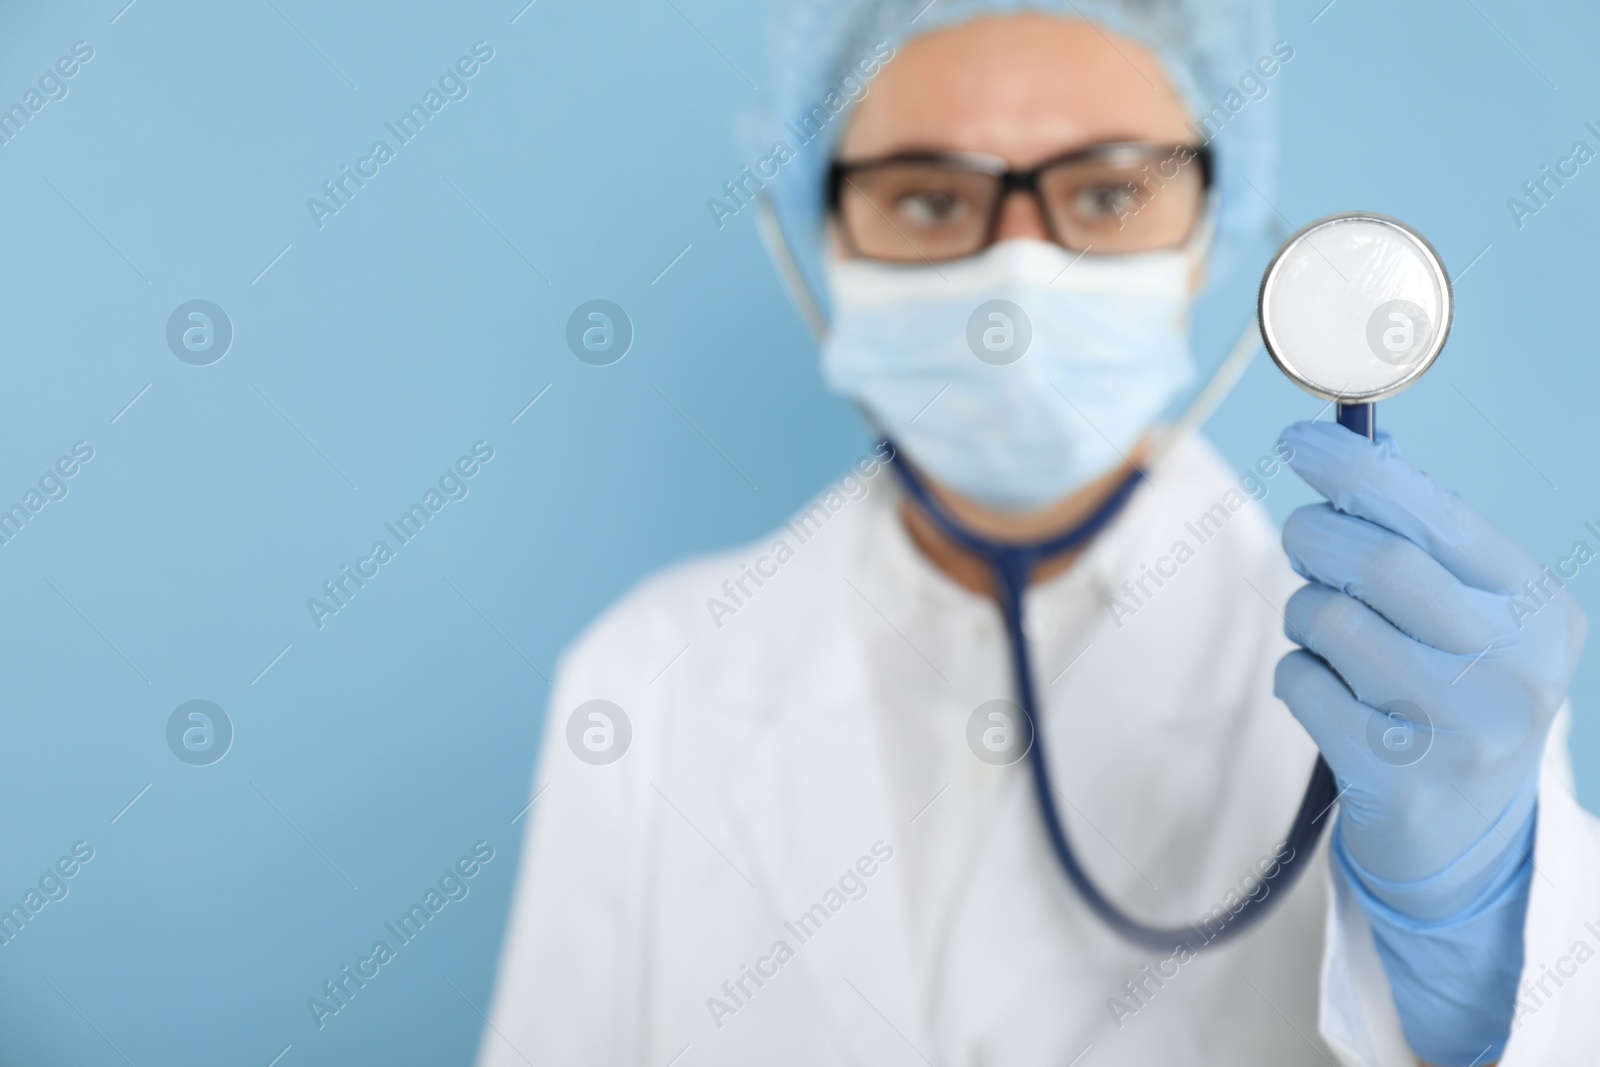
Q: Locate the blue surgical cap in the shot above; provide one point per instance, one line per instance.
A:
(822, 47)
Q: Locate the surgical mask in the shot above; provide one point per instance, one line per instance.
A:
(1017, 375)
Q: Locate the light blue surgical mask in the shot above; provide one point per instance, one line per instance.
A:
(1018, 375)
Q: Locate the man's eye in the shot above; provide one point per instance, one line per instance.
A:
(1104, 201)
(931, 209)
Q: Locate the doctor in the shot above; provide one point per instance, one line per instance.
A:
(782, 814)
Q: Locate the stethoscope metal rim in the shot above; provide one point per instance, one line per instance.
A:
(1446, 296)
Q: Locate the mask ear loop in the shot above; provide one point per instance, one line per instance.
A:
(1206, 401)
(789, 273)
(1227, 374)
(794, 283)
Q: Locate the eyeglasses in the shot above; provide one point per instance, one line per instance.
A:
(1114, 198)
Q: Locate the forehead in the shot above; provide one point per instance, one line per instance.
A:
(1023, 87)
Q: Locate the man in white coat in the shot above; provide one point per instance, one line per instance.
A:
(782, 812)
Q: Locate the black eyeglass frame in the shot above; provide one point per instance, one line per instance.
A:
(1014, 180)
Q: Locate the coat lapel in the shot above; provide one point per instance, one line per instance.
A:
(808, 801)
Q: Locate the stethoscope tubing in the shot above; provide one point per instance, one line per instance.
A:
(1012, 566)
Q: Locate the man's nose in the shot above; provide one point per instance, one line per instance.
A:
(1020, 217)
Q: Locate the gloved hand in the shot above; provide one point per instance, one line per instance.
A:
(1437, 652)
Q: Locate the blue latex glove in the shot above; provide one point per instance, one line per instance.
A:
(1437, 654)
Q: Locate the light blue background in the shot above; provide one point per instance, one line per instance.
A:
(412, 326)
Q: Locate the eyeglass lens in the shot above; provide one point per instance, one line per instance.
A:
(1133, 201)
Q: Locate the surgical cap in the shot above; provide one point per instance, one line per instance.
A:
(1206, 47)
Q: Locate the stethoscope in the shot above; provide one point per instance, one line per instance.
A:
(1353, 308)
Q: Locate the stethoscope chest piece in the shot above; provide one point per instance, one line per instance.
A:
(1355, 308)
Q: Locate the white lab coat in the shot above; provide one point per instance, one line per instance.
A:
(822, 724)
